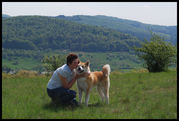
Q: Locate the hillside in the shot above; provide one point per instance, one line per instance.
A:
(5, 16)
(40, 32)
(138, 29)
(26, 39)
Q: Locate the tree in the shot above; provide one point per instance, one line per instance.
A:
(157, 54)
(51, 63)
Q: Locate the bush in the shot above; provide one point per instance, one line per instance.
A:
(51, 63)
(157, 54)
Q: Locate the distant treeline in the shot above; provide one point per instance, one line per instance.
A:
(39, 33)
(134, 28)
(6, 53)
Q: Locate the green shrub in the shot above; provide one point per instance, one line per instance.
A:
(157, 54)
(51, 63)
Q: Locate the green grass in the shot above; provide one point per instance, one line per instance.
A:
(117, 60)
(21, 63)
(133, 95)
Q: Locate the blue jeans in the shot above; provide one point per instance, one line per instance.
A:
(61, 95)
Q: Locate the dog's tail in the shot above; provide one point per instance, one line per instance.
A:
(106, 70)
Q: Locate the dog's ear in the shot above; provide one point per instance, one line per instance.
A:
(79, 61)
(87, 63)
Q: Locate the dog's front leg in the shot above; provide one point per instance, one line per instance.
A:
(87, 97)
(80, 96)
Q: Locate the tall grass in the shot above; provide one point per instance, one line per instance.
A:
(133, 95)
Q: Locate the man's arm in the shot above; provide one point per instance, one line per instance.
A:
(67, 85)
(63, 81)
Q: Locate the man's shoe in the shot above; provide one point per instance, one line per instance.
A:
(74, 103)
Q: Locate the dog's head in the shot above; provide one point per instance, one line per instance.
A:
(83, 67)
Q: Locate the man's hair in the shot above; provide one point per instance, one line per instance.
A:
(71, 57)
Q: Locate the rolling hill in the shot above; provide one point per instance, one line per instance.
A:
(135, 28)
(26, 39)
(40, 32)
(5, 16)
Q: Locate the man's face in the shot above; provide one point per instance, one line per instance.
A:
(74, 64)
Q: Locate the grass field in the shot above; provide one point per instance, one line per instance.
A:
(21, 63)
(117, 60)
(133, 95)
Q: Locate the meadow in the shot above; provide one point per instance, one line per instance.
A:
(117, 60)
(136, 94)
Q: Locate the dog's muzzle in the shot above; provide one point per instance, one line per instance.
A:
(80, 69)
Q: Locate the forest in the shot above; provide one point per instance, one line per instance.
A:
(39, 32)
(134, 28)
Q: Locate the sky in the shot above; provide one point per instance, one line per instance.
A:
(157, 13)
